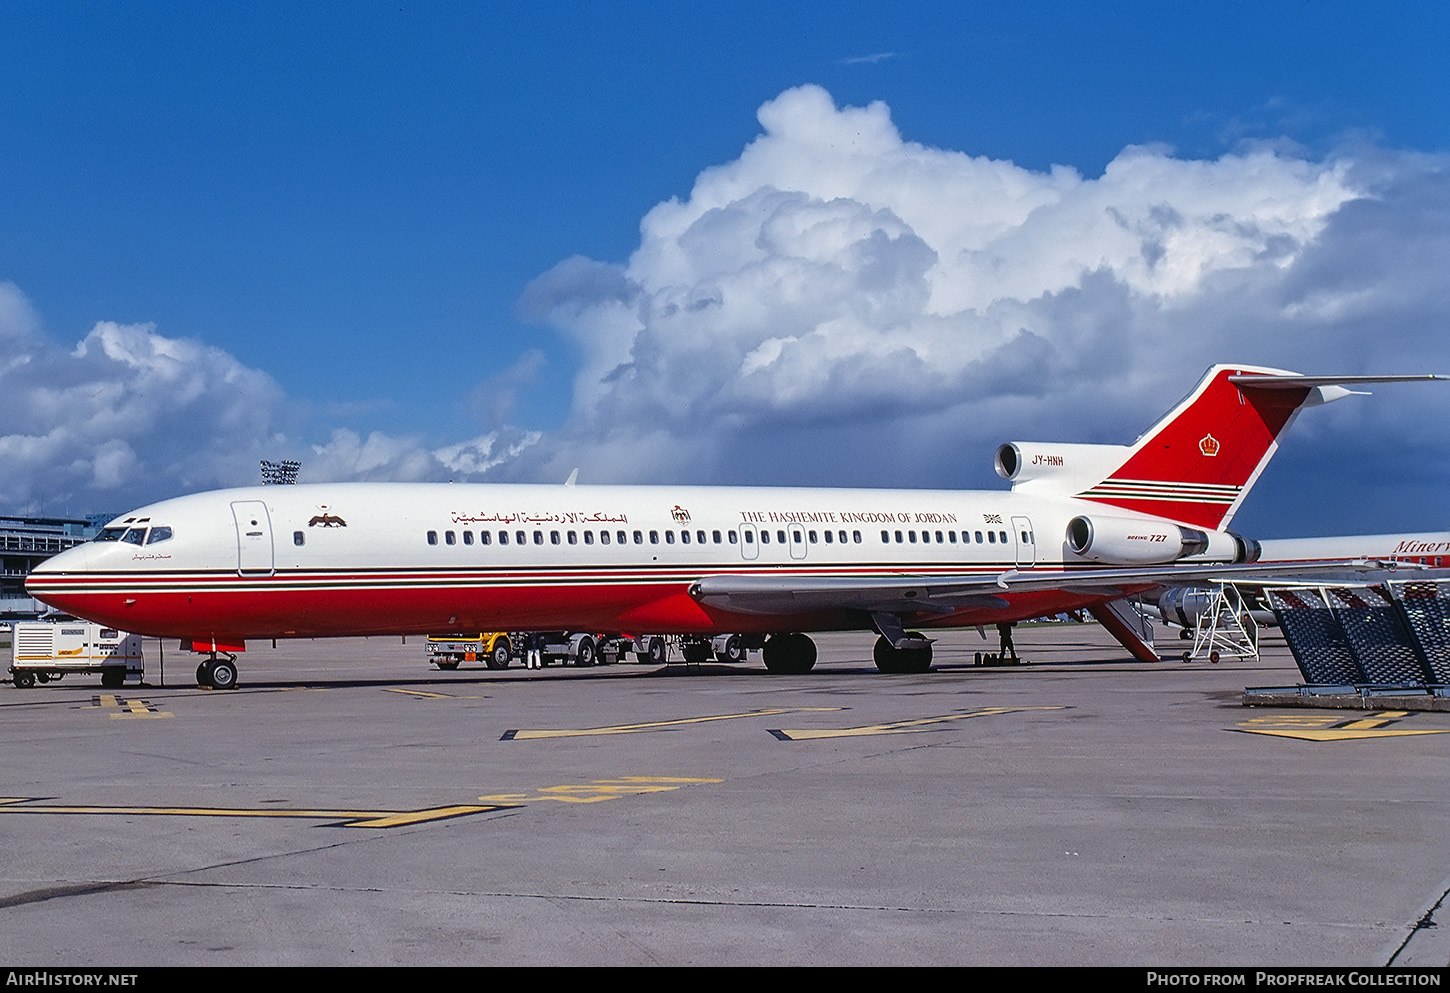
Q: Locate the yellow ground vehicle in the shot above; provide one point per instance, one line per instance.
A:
(447, 651)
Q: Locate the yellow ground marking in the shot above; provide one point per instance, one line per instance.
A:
(342, 818)
(599, 790)
(1313, 727)
(434, 696)
(128, 709)
(898, 727)
(521, 735)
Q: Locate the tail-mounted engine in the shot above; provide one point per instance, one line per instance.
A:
(1133, 541)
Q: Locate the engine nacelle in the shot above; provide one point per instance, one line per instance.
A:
(1130, 541)
(1063, 468)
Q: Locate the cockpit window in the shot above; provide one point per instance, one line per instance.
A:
(110, 534)
(135, 536)
(158, 533)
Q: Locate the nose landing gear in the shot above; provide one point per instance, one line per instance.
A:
(218, 672)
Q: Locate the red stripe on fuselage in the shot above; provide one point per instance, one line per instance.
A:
(226, 606)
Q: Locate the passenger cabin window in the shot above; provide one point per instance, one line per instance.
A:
(485, 537)
(432, 537)
(468, 537)
(503, 537)
(298, 538)
(449, 538)
(603, 537)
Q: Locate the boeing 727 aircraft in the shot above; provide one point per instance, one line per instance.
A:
(1082, 525)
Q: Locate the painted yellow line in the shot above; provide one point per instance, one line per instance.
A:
(421, 693)
(1330, 728)
(526, 734)
(599, 790)
(343, 818)
(128, 709)
(1341, 734)
(897, 727)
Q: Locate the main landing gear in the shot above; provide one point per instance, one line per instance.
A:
(915, 657)
(898, 650)
(219, 672)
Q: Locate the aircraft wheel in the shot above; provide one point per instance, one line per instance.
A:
(24, 680)
(501, 655)
(885, 656)
(585, 656)
(223, 675)
(790, 654)
(734, 650)
(894, 660)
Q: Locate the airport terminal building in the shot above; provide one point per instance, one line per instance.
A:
(25, 542)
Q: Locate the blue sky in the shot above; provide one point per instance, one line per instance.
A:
(399, 240)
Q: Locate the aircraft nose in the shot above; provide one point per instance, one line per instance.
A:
(72, 560)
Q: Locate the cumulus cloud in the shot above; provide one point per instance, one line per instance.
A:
(839, 304)
(128, 415)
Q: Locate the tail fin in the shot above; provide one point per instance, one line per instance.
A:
(1197, 464)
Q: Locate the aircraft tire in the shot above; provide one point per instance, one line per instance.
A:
(899, 660)
(223, 675)
(791, 654)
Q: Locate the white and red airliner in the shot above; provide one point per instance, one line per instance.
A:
(1081, 527)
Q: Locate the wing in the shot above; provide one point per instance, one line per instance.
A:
(909, 594)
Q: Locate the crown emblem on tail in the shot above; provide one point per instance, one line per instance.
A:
(1208, 445)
